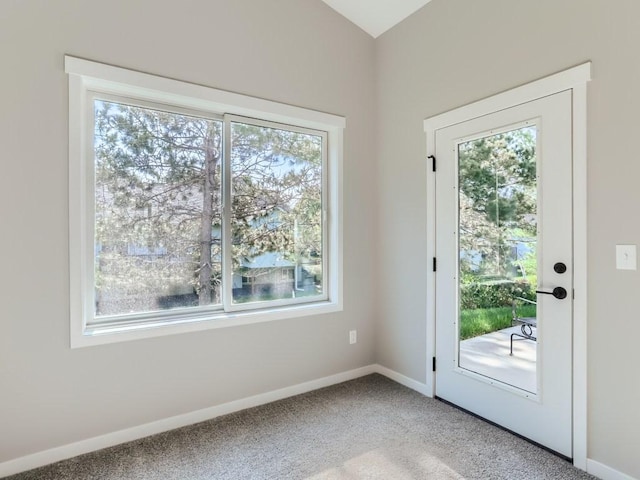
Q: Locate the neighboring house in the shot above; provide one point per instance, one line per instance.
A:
(162, 275)
(271, 274)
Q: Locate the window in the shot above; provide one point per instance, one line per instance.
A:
(157, 190)
(277, 209)
(193, 208)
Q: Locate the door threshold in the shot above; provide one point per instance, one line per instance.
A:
(528, 440)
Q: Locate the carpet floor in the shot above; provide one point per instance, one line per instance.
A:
(369, 428)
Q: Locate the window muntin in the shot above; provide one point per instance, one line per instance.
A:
(158, 213)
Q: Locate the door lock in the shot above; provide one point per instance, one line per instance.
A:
(559, 267)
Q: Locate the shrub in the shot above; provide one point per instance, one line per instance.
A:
(494, 294)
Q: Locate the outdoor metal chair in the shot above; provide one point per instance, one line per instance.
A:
(527, 324)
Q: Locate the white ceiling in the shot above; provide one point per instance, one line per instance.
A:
(376, 16)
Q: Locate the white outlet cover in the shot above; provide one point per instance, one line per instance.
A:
(626, 257)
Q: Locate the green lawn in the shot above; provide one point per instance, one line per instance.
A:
(486, 320)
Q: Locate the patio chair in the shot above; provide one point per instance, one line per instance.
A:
(527, 324)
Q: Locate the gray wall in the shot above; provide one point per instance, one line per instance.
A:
(295, 51)
(300, 52)
(453, 52)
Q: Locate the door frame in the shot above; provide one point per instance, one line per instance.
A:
(574, 79)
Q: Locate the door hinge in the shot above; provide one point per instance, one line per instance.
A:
(434, 364)
(433, 162)
(435, 264)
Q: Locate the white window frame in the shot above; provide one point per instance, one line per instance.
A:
(227, 214)
(89, 79)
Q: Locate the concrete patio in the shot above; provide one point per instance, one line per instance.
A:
(488, 355)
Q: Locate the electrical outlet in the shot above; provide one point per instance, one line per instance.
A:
(353, 336)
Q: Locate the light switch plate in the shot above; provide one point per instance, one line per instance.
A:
(626, 257)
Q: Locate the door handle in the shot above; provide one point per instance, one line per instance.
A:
(558, 292)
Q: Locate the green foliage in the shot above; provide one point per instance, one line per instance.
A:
(529, 267)
(497, 177)
(276, 180)
(159, 203)
(498, 174)
(494, 294)
(152, 172)
(486, 320)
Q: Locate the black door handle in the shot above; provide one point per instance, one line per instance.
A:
(557, 292)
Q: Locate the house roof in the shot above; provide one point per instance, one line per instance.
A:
(268, 260)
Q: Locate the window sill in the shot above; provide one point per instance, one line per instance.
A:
(106, 334)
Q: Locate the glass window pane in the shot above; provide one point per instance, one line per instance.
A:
(277, 249)
(157, 210)
(498, 256)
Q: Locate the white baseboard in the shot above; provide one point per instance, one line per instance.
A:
(57, 454)
(604, 472)
(403, 380)
(64, 452)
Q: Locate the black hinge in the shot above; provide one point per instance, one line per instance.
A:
(435, 264)
(433, 162)
(434, 364)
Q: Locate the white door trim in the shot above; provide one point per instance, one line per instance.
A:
(574, 79)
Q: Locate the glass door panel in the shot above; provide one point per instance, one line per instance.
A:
(497, 246)
(504, 223)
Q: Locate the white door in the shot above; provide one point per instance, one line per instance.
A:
(504, 231)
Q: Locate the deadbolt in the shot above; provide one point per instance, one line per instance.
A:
(559, 267)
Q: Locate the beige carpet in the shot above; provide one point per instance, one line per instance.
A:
(370, 428)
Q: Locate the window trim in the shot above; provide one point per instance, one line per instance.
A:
(88, 80)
